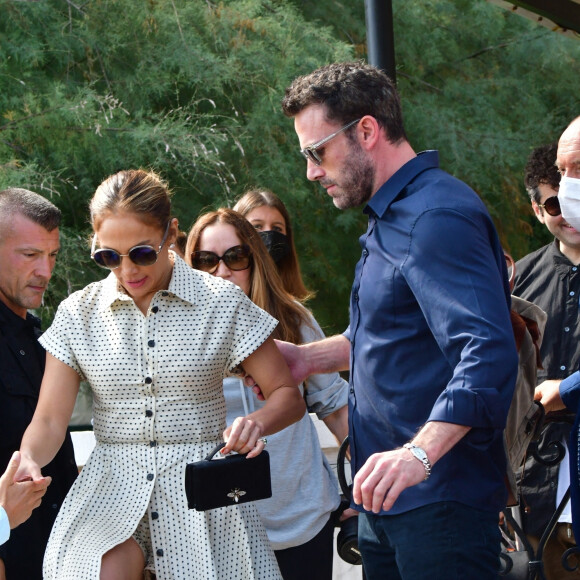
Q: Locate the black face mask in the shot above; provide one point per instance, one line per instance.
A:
(277, 244)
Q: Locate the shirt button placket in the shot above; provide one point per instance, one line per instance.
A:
(156, 530)
(150, 356)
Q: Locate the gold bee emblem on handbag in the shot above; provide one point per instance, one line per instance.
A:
(236, 494)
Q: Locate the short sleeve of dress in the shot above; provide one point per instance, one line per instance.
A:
(251, 327)
(56, 340)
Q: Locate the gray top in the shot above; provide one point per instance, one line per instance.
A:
(304, 488)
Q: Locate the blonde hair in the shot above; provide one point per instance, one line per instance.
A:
(266, 288)
(288, 267)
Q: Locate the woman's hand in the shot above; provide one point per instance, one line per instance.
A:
(28, 470)
(244, 436)
(19, 498)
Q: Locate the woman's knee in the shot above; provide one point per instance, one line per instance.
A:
(124, 562)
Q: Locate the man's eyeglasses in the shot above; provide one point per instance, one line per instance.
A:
(551, 205)
(310, 152)
(139, 255)
(235, 258)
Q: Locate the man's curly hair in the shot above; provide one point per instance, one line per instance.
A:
(348, 91)
(541, 169)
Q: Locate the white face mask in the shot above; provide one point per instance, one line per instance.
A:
(569, 198)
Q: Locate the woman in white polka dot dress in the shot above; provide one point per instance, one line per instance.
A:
(155, 340)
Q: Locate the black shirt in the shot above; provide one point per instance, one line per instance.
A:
(22, 361)
(548, 279)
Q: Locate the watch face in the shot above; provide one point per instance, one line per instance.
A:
(419, 453)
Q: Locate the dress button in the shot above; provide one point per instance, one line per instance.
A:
(563, 368)
(149, 413)
(159, 552)
(152, 443)
(154, 515)
(150, 477)
(164, 293)
(572, 293)
(151, 343)
(155, 309)
(22, 352)
(566, 329)
(574, 269)
(148, 380)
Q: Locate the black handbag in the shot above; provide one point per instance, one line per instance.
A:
(229, 481)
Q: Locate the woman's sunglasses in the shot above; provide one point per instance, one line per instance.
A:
(235, 258)
(551, 205)
(139, 255)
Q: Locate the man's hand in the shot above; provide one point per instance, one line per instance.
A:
(548, 393)
(252, 384)
(295, 360)
(384, 476)
(19, 498)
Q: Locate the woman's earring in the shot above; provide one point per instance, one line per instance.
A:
(172, 245)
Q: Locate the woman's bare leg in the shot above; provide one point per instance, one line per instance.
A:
(123, 562)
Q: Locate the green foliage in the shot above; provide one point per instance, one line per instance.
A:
(191, 88)
(486, 99)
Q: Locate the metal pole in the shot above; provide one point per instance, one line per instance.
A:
(380, 36)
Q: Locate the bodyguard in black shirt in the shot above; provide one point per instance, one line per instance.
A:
(29, 242)
(550, 278)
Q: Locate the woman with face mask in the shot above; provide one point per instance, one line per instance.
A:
(299, 515)
(154, 339)
(268, 214)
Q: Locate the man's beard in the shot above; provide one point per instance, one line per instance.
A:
(356, 181)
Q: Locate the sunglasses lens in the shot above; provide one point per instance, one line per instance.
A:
(311, 155)
(552, 206)
(204, 261)
(143, 255)
(107, 259)
(237, 258)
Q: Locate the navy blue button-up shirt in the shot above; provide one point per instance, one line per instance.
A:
(430, 333)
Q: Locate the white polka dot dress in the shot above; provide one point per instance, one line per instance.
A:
(158, 404)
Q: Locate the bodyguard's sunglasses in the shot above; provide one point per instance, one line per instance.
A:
(139, 255)
(551, 205)
(310, 152)
(235, 258)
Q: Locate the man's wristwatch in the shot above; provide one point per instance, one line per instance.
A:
(420, 454)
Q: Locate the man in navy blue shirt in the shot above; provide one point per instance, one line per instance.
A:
(430, 346)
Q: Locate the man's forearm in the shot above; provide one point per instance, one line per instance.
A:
(327, 356)
(437, 438)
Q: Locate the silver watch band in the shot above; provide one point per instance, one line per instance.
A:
(420, 454)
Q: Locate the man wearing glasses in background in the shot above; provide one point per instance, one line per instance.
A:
(430, 346)
(550, 278)
(29, 243)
